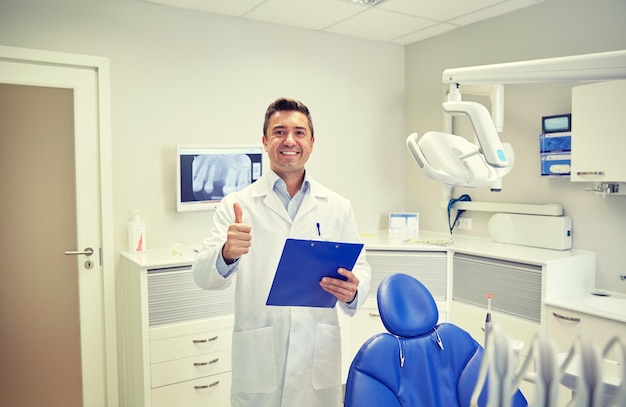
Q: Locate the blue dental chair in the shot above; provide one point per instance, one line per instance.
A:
(418, 363)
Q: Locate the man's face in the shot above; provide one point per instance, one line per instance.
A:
(288, 142)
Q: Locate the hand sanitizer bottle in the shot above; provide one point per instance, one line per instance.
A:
(136, 233)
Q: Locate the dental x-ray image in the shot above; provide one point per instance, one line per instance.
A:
(206, 173)
(216, 175)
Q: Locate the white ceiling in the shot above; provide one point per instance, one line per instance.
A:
(395, 21)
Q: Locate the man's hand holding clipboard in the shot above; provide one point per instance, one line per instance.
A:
(344, 290)
(315, 273)
(310, 273)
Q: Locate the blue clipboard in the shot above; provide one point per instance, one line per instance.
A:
(302, 265)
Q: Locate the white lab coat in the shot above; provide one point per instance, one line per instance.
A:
(281, 356)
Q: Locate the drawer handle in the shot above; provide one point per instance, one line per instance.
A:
(206, 386)
(564, 318)
(205, 340)
(374, 315)
(210, 362)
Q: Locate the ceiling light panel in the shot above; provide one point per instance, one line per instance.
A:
(316, 14)
(380, 25)
(231, 8)
(498, 9)
(440, 10)
(427, 32)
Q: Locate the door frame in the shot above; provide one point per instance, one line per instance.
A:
(101, 67)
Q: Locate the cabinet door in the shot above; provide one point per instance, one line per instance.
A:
(515, 287)
(563, 326)
(472, 319)
(598, 128)
(362, 326)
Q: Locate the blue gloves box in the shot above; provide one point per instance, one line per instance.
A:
(556, 154)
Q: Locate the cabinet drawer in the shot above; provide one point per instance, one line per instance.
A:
(190, 345)
(189, 368)
(208, 391)
(472, 319)
(564, 326)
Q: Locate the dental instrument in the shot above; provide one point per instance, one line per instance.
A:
(589, 386)
(546, 376)
(488, 325)
(619, 397)
(498, 362)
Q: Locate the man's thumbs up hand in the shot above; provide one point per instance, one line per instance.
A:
(238, 238)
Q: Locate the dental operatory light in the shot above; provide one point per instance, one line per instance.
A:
(455, 161)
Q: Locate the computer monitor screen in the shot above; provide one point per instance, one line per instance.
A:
(207, 173)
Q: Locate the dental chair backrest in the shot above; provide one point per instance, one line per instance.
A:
(418, 363)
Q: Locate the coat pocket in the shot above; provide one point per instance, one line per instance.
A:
(327, 357)
(254, 362)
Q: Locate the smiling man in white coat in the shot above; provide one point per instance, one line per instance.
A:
(282, 356)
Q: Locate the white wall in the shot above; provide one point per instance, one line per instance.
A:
(179, 76)
(550, 29)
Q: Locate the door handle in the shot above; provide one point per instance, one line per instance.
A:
(87, 251)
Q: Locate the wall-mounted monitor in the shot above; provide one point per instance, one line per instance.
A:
(208, 172)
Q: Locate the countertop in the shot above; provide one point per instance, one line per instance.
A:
(608, 304)
(436, 242)
(382, 240)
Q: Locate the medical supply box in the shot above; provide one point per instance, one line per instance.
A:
(555, 145)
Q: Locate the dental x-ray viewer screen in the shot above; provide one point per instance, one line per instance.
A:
(207, 173)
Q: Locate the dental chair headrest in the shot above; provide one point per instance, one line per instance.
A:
(406, 307)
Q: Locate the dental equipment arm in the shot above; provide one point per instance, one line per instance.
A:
(600, 66)
(490, 145)
(462, 166)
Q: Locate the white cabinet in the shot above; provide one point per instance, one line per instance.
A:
(519, 279)
(176, 337)
(598, 131)
(515, 287)
(516, 305)
(564, 325)
(519, 282)
(430, 267)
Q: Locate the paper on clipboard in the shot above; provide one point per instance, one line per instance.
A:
(302, 265)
